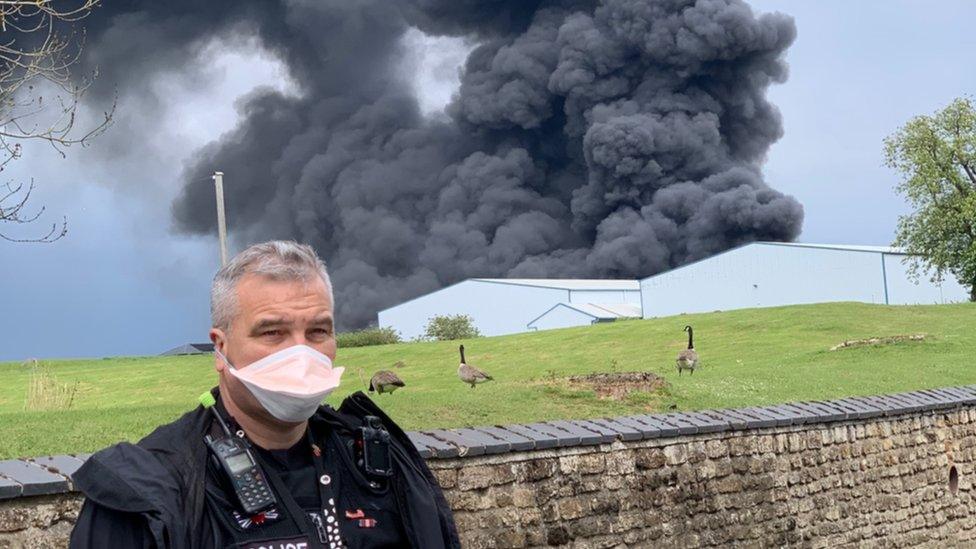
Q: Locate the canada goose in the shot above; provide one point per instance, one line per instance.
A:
(385, 381)
(399, 364)
(469, 374)
(688, 358)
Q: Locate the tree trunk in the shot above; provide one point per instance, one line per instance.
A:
(972, 291)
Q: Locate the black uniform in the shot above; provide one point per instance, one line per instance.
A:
(165, 492)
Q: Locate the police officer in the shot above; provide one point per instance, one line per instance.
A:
(260, 463)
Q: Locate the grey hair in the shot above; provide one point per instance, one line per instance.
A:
(277, 260)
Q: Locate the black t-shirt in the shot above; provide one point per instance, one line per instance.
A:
(365, 513)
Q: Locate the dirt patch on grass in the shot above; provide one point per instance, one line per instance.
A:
(888, 340)
(618, 385)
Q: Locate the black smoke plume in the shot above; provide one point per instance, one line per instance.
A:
(589, 138)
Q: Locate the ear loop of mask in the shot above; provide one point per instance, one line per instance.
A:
(223, 358)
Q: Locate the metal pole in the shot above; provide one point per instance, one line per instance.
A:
(218, 178)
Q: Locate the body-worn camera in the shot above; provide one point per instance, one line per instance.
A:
(374, 447)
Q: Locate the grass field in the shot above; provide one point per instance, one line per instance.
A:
(749, 357)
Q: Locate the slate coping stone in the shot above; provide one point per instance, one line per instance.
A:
(540, 439)
(517, 442)
(889, 406)
(733, 420)
(758, 418)
(34, 479)
(828, 412)
(467, 446)
(910, 403)
(436, 448)
(646, 430)
(656, 422)
(62, 465)
(588, 435)
(9, 489)
(947, 399)
(563, 437)
(864, 409)
(780, 419)
(624, 432)
(491, 443)
(707, 424)
(685, 426)
(745, 420)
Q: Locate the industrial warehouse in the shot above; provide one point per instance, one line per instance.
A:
(760, 274)
(502, 306)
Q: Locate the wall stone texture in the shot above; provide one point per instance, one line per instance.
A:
(38, 522)
(880, 482)
(876, 483)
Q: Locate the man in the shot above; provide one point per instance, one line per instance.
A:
(261, 463)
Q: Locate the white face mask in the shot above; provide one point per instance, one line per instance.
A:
(291, 383)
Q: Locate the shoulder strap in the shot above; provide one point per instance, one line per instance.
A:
(285, 498)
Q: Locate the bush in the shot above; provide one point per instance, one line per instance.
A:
(445, 328)
(367, 337)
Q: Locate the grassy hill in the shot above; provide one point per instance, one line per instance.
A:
(750, 357)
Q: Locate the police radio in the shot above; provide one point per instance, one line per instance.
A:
(374, 445)
(233, 457)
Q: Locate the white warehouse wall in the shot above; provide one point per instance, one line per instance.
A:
(561, 316)
(754, 275)
(765, 275)
(605, 296)
(496, 308)
(902, 291)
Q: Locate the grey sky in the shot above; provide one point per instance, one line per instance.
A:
(858, 71)
(122, 283)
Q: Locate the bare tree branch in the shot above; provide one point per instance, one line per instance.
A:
(15, 214)
(39, 44)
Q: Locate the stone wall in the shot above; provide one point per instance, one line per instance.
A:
(38, 522)
(893, 471)
(878, 482)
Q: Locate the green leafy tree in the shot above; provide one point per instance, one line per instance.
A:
(444, 328)
(936, 156)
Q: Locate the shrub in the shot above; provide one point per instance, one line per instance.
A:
(367, 337)
(445, 328)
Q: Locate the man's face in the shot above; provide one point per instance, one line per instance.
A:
(271, 316)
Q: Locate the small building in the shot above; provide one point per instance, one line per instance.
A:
(566, 315)
(768, 274)
(501, 306)
(190, 349)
